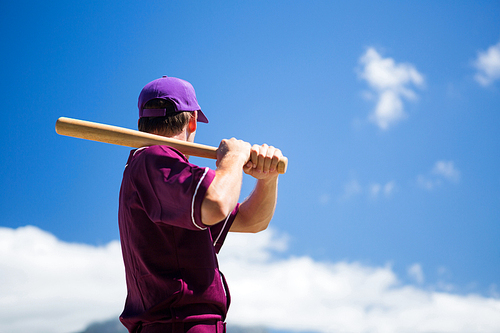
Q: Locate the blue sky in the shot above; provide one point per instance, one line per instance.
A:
(388, 112)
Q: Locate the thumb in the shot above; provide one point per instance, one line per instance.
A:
(248, 167)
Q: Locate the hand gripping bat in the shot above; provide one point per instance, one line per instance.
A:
(131, 138)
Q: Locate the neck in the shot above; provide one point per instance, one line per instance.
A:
(185, 135)
(181, 136)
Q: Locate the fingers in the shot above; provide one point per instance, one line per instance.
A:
(259, 161)
(233, 147)
(264, 158)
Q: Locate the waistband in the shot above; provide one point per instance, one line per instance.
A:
(205, 326)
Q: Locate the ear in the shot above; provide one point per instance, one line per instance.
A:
(193, 122)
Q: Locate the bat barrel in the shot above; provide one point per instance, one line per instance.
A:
(127, 137)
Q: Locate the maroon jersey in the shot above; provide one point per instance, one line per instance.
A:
(170, 257)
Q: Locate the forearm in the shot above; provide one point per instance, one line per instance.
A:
(256, 212)
(224, 191)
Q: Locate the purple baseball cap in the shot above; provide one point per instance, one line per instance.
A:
(179, 92)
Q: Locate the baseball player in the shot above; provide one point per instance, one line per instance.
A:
(174, 216)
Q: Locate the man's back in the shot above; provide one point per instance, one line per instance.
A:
(170, 255)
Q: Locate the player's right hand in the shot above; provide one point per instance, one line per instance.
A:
(234, 150)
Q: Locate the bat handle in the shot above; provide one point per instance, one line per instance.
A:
(282, 165)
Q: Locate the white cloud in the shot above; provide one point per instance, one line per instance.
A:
(51, 286)
(447, 170)
(377, 189)
(389, 188)
(488, 65)
(391, 82)
(48, 285)
(352, 188)
(416, 272)
(442, 171)
(298, 293)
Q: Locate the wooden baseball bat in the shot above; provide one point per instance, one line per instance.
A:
(131, 138)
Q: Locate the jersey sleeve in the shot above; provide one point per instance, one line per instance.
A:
(171, 190)
(220, 230)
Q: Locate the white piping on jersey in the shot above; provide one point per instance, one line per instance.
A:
(222, 230)
(194, 196)
(139, 149)
(223, 284)
(126, 165)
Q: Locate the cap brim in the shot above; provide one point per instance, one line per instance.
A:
(201, 117)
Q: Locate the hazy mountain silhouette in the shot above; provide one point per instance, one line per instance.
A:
(114, 326)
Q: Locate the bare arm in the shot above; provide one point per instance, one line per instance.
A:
(224, 191)
(256, 212)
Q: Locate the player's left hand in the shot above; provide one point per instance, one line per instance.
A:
(263, 161)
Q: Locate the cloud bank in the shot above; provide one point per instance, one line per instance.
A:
(488, 65)
(390, 82)
(300, 294)
(48, 285)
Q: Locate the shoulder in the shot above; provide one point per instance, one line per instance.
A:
(164, 159)
(159, 151)
(146, 159)
(156, 154)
